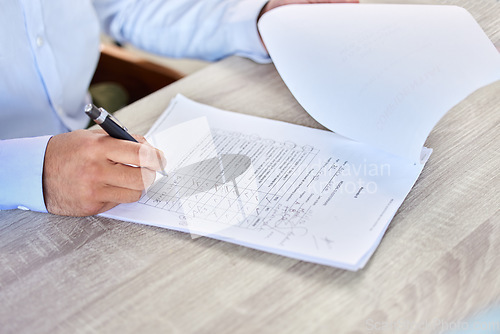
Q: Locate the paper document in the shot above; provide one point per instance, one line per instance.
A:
(379, 76)
(283, 188)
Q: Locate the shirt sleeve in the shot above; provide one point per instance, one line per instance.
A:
(21, 167)
(208, 29)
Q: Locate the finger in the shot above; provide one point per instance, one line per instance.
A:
(129, 177)
(127, 152)
(143, 140)
(161, 155)
(111, 194)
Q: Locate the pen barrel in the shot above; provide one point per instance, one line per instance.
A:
(116, 131)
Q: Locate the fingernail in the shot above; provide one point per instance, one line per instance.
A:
(163, 163)
(163, 160)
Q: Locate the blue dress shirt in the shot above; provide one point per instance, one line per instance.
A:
(49, 52)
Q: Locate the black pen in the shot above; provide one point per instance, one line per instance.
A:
(110, 124)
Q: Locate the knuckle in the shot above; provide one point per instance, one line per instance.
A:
(138, 152)
(90, 173)
(131, 196)
(134, 179)
(148, 177)
(89, 138)
(136, 195)
(89, 195)
(144, 155)
(89, 202)
(92, 147)
(91, 209)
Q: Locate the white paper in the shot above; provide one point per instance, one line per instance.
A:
(379, 74)
(278, 187)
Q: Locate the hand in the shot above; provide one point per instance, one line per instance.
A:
(277, 3)
(85, 172)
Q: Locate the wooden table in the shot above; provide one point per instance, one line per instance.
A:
(438, 260)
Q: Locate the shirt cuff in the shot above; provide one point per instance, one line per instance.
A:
(246, 38)
(21, 168)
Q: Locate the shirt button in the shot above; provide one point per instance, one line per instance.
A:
(39, 41)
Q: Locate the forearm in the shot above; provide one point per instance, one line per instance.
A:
(209, 29)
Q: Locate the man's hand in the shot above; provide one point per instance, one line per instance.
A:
(85, 172)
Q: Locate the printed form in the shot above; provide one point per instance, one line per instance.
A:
(378, 76)
(287, 189)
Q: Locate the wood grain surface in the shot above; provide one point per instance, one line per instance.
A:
(439, 259)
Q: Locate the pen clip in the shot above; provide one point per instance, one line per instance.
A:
(115, 120)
